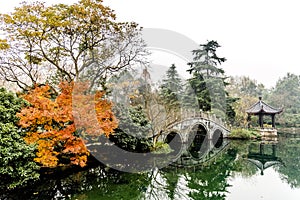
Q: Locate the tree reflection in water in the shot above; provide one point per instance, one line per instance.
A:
(288, 149)
(207, 180)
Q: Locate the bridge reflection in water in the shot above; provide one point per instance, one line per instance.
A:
(203, 150)
(199, 148)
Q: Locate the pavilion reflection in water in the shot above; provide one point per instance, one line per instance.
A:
(263, 155)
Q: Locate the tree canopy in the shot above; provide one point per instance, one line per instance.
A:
(207, 83)
(66, 42)
(246, 92)
(286, 94)
(49, 123)
(171, 89)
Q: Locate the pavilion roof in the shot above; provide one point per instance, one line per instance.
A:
(262, 107)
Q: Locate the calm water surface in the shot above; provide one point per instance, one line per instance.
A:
(240, 170)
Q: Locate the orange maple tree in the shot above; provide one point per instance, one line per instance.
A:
(49, 122)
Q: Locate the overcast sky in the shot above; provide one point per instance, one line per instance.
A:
(259, 38)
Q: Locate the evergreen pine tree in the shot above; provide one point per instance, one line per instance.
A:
(208, 80)
(171, 88)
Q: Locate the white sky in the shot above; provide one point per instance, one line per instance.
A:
(259, 38)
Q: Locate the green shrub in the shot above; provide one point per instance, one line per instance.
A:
(132, 133)
(161, 148)
(16, 157)
(245, 134)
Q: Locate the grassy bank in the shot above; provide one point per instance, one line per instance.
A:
(244, 134)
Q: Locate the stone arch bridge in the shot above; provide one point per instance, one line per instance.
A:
(210, 125)
(196, 135)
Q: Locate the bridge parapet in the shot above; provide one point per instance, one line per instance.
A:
(188, 114)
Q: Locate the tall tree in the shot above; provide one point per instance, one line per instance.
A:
(66, 42)
(171, 89)
(207, 82)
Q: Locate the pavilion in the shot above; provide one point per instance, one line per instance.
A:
(261, 109)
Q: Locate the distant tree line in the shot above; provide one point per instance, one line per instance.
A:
(285, 94)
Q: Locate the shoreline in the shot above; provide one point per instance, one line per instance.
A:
(290, 131)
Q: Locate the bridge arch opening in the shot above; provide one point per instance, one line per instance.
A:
(200, 141)
(217, 138)
(175, 142)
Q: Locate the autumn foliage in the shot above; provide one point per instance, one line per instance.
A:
(49, 122)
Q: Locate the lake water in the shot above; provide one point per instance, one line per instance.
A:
(245, 170)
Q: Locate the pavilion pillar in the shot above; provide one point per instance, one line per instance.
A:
(249, 120)
(261, 120)
(273, 121)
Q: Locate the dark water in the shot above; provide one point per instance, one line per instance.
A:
(241, 170)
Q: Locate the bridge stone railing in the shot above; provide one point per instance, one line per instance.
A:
(187, 113)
